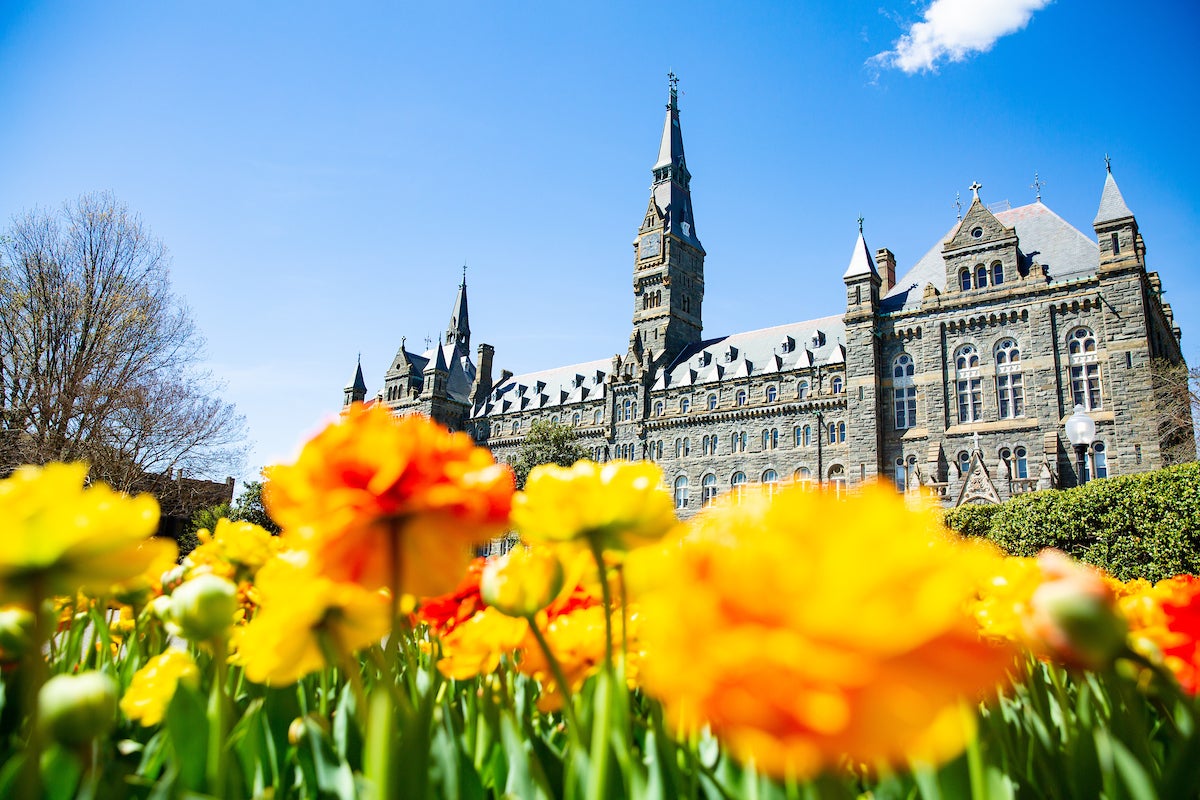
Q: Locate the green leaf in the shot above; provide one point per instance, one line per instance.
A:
(61, 772)
(187, 725)
(1133, 775)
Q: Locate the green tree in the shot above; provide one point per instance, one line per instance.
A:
(250, 508)
(547, 443)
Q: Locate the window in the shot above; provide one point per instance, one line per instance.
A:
(1010, 391)
(981, 277)
(964, 279)
(712, 402)
(1115, 241)
(576, 419)
(685, 405)
(901, 474)
(804, 478)
(597, 417)
(997, 273)
(968, 384)
(770, 479)
(708, 445)
(833, 433)
(737, 484)
(687, 447)
(841, 432)
(741, 397)
(1100, 460)
(626, 411)
(516, 426)
(802, 390)
(807, 435)
(708, 489)
(679, 448)
(1021, 462)
(837, 477)
(738, 440)
(835, 386)
(964, 463)
(904, 394)
(681, 491)
(658, 408)
(772, 394)
(799, 436)
(1085, 371)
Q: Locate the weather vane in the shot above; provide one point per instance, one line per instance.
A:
(860, 222)
(1107, 163)
(1037, 185)
(958, 204)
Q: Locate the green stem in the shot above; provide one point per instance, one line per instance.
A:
(37, 671)
(218, 718)
(564, 688)
(602, 701)
(979, 784)
(606, 595)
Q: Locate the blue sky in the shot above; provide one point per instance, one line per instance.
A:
(321, 171)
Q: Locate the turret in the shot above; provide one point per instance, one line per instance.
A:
(356, 389)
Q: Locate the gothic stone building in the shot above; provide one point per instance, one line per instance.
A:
(958, 376)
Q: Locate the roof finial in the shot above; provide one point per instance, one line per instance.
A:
(860, 222)
(1108, 163)
(464, 282)
(975, 187)
(360, 358)
(958, 205)
(1037, 185)
(673, 80)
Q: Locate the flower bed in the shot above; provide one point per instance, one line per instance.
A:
(794, 645)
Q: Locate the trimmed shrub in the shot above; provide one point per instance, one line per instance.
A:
(1134, 526)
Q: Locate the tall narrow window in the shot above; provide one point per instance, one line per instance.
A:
(802, 390)
(737, 484)
(1021, 462)
(1116, 243)
(741, 397)
(681, 491)
(770, 479)
(968, 384)
(626, 410)
(799, 434)
(837, 477)
(841, 432)
(1100, 460)
(687, 447)
(904, 394)
(833, 433)
(964, 462)
(901, 474)
(712, 402)
(981, 277)
(685, 405)
(836, 385)
(1010, 389)
(807, 435)
(964, 279)
(708, 489)
(772, 394)
(1085, 371)
(997, 273)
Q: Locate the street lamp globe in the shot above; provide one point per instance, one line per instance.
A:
(1081, 428)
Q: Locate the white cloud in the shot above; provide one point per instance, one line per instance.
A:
(954, 29)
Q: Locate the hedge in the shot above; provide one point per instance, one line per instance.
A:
(1133, 526)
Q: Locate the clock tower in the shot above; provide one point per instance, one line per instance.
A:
(668, 259)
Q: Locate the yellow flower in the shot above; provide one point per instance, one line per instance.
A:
(811, 628)
(619, 506)
(304, 619)
(475, 646)
(235, 550)
(373, 493)
(1002, 606)
(522, 582)
(63, 538)
(154, 685)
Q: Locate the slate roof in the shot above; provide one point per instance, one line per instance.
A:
(861, 262)
(1112, 204)
(547, 388)
(762, 352)
(1045, 238)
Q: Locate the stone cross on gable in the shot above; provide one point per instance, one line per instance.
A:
(975, 187)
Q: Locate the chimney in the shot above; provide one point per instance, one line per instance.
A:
(483, 374)
(885, 262)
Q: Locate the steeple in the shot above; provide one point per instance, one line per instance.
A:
(1112, 204)
(356, 389)
(668, 272)
(459, 331)
(1121, 246)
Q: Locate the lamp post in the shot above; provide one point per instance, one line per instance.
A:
(1081, 431)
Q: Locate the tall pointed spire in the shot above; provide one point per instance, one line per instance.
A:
(459, 330)
(356, 389)
(672, 181)
(861, 262)
(1112, 204)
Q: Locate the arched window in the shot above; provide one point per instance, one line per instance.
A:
(625, 411)
(554, 419)
(1085, 371)
(997, 273)
(770, 479)
(802, 390)
(741, 397)
(841, 432)
(598, 417)
(685, 405)
(576, 419)
(836, 385)
(833, 433)
(964, 462)
(772, 394)
(798, 441)
(968, 384)
(1100, 460)
(708, 489)
(904, 394)
(964, 279)
(737, 484)
(770, 439)
(712, 403)
(981, 277)
(516, 425)
(804, 478)
(681, 491)
(1021, 462)
(687, 447)
(901, 474)
(807, 435)
(679, 448)
(658, 408)
(1010, 389)
(837, 477)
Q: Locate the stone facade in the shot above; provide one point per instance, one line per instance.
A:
(959, 376)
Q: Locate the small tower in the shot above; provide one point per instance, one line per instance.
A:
(356, 389)
(458, 332)
(1121, 246)
(863, 398)
(668, 271)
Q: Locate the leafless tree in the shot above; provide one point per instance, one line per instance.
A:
(1177, 407)
(99, 361)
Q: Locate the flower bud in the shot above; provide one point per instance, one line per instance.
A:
(161, 607)
(1074, 615)
(16, 632)
(522, 582)
(203, 607)
(74, 709)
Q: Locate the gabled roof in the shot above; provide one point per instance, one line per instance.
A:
(575, 383)
(1044, 238)
(1112, 204)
